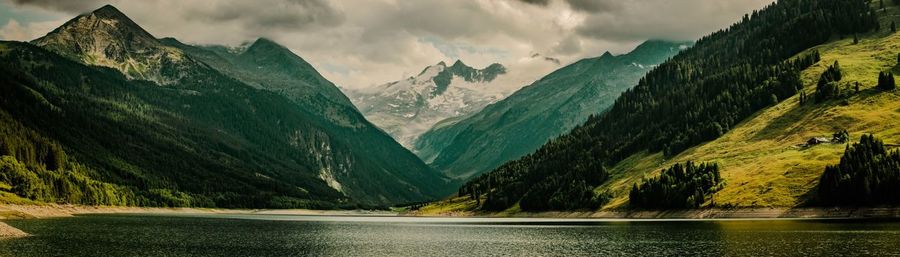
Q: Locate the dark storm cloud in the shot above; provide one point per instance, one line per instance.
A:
(595, 6)
(373, 41)
(269, 14)
(591, 6)
(536, 2)
(660, 19)
(69, 6)
(259, 14)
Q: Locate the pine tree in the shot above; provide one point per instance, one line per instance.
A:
(886, 81)
(868, 174)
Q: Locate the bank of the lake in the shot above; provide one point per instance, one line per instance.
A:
(7, 231)
(41, 211)
(736, 213)
(192, 235)
(25, 211)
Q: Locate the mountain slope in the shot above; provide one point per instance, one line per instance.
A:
(409, 107)
(695, 97)
(763, 159)
(108, 38)
(265, 64)
(204, 135)
(529, 117)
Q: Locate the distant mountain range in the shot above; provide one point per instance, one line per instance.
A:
(518, 125)
(178, 125)
(409, 107)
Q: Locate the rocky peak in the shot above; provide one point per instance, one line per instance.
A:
(606, 54)
(107, 37)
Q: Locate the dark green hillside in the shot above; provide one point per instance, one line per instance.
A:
(371, 166)
(267, 65)
(149, 139)
(694, 97)
(178, 131)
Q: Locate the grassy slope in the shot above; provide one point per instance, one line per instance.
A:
(760, 159)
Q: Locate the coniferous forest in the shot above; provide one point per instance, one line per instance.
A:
(681, 186)
(695, 97)
(868, 174)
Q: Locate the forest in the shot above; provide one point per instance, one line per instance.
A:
(695, 97)
(868, 174)
(125, 140)
(681, 186)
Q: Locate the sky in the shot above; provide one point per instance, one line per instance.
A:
(362, 43)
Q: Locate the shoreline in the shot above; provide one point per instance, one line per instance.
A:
(698, 214)
(20, 211)
(25, 211)
(47, 211)
(17, 211)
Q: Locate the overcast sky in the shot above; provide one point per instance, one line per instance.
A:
(360, 43)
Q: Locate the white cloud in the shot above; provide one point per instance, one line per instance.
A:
(15, 31)
(362, 43)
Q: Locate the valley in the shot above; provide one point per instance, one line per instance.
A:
(101, 112)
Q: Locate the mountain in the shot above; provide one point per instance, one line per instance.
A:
(108, 38)
(265, 64)
(525, 120)
(170, 127)
(409, 107)
(737, 85)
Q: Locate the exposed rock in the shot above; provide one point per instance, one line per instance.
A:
(108, 38)
(817, 141)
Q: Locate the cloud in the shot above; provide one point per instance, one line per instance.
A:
(595, 6)
(276, 14)
(79, 6)
(537, 2)
(665, 19)
(13, 30)
(360, 43)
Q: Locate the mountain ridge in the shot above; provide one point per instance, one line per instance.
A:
(517, 125)
(408, 107)
(282, 148)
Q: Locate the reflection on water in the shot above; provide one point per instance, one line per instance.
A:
(285, 235)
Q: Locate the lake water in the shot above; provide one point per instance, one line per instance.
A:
(284, 235)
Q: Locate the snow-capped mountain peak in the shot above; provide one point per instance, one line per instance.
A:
(409, 107)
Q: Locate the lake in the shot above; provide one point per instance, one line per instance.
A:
(287, 235)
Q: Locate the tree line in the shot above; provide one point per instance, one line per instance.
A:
(694, 97)
(868, 174)
(681, 186)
